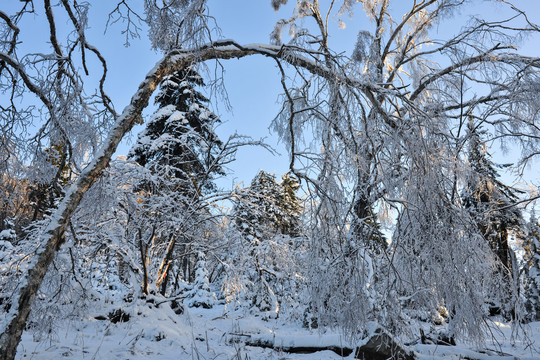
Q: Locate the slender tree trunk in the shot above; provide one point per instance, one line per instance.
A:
(163, 273)
(144, 253)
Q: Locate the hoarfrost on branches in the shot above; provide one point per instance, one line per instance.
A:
(177, 23)
(381, 130)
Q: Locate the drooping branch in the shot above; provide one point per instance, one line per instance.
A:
(53, 236)
(85, 45)
(13, 42)
(19, 69)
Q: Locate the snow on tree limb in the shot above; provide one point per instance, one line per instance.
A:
(376, 122)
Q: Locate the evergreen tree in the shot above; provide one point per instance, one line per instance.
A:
(266, 207)
(532, 269)
(262, 211)
(288, 201)
(489, 200)
(255, 210)
(180, 147)
(51, 178)
(7, 234)
(179, 141)
(491, 204)
(201, 295)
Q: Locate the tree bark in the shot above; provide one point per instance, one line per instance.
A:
(53, 236)
(163, 272)
(379, 346)
(269, 343)
(382, 346)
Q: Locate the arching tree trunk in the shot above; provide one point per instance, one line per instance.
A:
(53, 237)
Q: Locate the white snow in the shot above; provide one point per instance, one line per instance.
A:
(5, 236)
(164, 112)
(222, 332)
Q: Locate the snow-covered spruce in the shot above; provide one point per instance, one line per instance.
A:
(200, 294)
(179, 140)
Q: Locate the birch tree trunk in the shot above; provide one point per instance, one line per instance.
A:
(53, 237)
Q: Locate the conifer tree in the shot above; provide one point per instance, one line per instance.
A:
(51, 177)
(492, 207)
(179, 140)
(489, 200)
(261, 211)
(180, 146)
(201, 295)
(255, 210)
(267, 207)
(289, 222)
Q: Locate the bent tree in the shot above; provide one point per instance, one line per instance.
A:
(389, 133)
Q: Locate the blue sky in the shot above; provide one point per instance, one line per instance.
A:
(253, 84)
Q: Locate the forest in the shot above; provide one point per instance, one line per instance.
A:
(404, 225)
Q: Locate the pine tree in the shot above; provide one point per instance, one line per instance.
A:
(201, 295)
(267, 208)
(489, 200)
(532, 269)
(179, 141)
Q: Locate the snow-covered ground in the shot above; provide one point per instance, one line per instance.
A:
(222, 333)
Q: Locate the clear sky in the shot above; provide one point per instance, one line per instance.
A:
(253, 84)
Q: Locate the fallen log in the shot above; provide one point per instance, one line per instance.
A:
(377, 346)
(266, 342)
